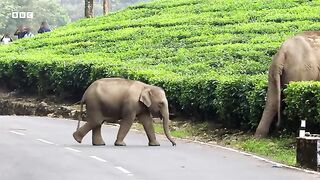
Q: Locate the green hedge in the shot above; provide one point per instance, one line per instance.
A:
(303, 103)
(234, 101)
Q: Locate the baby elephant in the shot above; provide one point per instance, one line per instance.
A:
(111, 99)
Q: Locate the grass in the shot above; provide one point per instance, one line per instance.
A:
(280, 149)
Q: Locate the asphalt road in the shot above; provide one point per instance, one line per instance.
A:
(38, 148)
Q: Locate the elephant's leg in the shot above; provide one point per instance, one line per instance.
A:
(148, 127)
(81, 132)
(97, 139)
(125, 125)
(96, 118)
(267, 118)
(273, 104)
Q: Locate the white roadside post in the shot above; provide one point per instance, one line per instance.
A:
(308, 148)
(302, 132)
(318, 155)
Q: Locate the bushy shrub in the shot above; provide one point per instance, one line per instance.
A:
(232, 102)
(257, 101)
(303, 103)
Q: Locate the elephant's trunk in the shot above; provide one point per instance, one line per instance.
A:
(165, 118)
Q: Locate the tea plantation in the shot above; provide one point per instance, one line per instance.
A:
(211, 56)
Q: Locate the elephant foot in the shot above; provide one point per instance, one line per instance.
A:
(77, 137)
(101, 144)
(98, 143)
(260, 133)
(119, 143)
(155, 143)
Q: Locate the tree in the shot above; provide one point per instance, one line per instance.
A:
(6, 8)
(88, 8)
(106, 6)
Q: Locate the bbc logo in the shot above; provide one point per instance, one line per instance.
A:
(22, 15)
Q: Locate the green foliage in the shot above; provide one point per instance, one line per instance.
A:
(303, 103)
(232, 102)
(211, 56)
(257, 99)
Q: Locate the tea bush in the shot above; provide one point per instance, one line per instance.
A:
(303, 103)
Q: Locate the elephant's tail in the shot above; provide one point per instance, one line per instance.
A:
(81, 112)
(281, 58)
(278, 101)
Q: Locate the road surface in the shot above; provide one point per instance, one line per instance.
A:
(39, 148)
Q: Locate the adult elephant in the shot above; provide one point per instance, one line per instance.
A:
(298, 59)
(111, 99)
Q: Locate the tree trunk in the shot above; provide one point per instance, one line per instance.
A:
(106, 7)
(88, 8)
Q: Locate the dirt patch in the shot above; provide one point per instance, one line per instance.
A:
(17, 104)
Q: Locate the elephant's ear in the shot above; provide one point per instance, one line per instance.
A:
(145, 97)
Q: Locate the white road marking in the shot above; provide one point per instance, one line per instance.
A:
(97, 158)
(123, 170)
(18, 133)
(45, 141)
(71, 149)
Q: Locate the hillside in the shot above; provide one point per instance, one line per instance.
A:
(211, 56)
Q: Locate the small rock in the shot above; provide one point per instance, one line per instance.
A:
(73, 114)
(277, 165)
(50, 115)
(43, 104)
